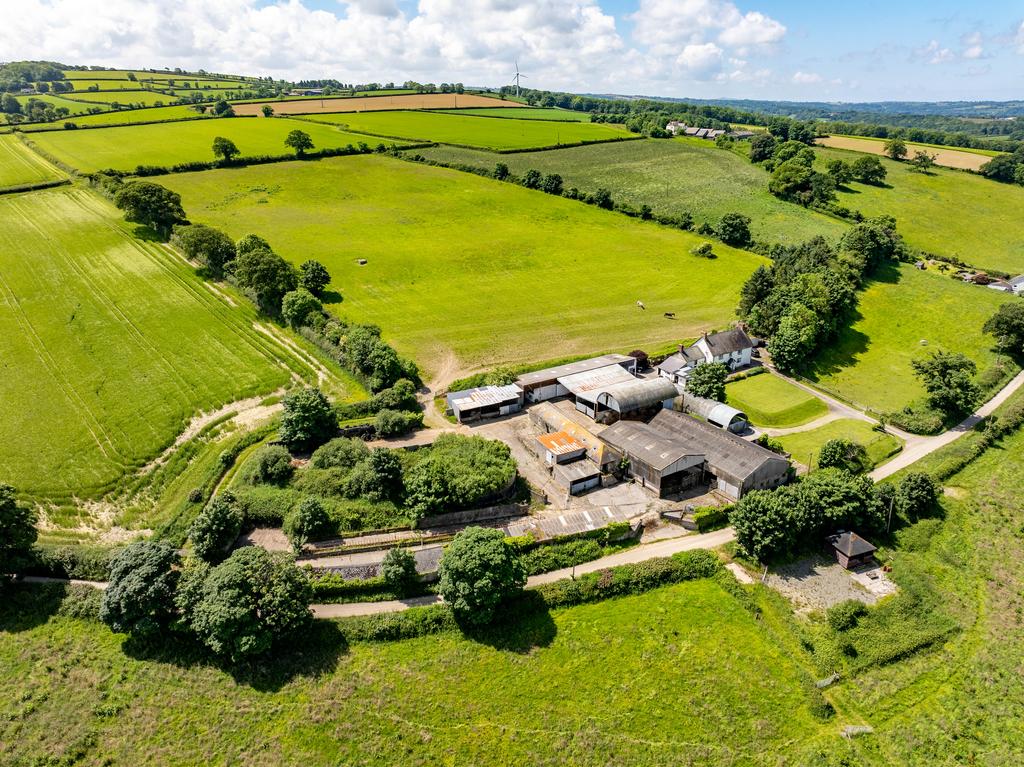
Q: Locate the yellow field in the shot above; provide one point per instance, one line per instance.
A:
(373, 103)
(950, 158)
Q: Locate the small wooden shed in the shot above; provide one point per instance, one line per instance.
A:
(851, 551)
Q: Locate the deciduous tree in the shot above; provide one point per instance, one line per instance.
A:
(299, 141)
(479, 571)
(17, 531)
(139, 599)
(708, 380)
(308, 419)
(152, 205)
(948, 378)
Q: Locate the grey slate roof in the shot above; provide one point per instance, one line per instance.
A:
(725, 452)
(728, 341)
(638, 439)
(850, 544)
(550, 374)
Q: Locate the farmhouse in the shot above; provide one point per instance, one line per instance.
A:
(716, 413)
(484, 402)
(733, 348)
(542, 385)
(306, 92)
(851, 551)
(675, 452)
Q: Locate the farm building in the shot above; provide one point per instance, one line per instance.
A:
(1017, 285)
(484, 402)
(639, 398)
(851, 551)
(716, 413)
(546, 416)
(733, 348)
(561, 447)
(542, 385)
(675, 452)
(577, 476)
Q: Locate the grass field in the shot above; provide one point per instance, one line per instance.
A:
(456, 263)
(74, 107)
(20, 165)
(806, 445)
(109, 346)
(474, 131)
(948, 212)
(170, 143)
(526, 113)
(672, 176)
(964, 159)
(771, 401)
(870, 362)
(636, 681)
(369, 103)
(120, 117)
(149, 98)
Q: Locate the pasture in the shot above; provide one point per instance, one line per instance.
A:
(960, 158)
(111, 345)
(118, 117)
(307, 105)
(525, 113)
(103, 84)
(902, 317)
(480, 132)
(772, 401)
(20, 165)
(672, 176)
(137, 96)
(461, 265)
(947, 212)
(641, 681)
(165, 144)
(73, 107)
(805, 446)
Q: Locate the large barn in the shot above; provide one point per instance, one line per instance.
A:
(675, 452)
(542, 385)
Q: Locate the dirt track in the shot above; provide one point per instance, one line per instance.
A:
(375, 103)
(949, 158)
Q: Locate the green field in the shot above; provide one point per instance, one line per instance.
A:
(137, 96)
(870, 362)
(120, 117)
(456, 263)
(20, 165)
(948, 212)
(644, 680)
(171, 143)
(111, 345)
(523, 113)
(73, 107)
(672, 176)
(771, 401)
(472, 131)
(805, 445)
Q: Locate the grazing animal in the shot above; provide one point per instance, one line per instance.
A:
(641, 305)
(670, 315)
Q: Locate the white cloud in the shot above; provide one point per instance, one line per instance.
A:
(934, 53)
(1020, 38)
(807, 78)
(753, 29)
(700, 59)
(663, 25)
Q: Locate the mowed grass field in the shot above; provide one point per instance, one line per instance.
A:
(672, 176)
(448, 128)
(870, 362)
(491, 272)
(20, 165)
(165, 144)
(948, 212)
(772, 401)
(109, 345)
(805, 446)
(639, 681)
(119, 117)
(373, 101)
(526, 113)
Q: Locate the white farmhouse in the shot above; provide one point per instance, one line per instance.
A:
(733, 348)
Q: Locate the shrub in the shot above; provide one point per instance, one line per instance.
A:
(202, 243)
(711, 517)
(478, 572)
(844, 454)
(394, 423)
(376, 477)
(308, 420)
(297, 305)
(17, 531)
(844, 616)
(265, 505)
(734, 229)
(340, 453)
(704, 250)
(917, 496)
(458, 472)
(91, 563)
(309, 522)
(270, 465)
(399, 570)
(214, 530)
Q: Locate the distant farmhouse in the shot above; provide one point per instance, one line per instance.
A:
(677, 128)
(733, 348)
(306, 92)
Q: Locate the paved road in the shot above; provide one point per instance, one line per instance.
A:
(927, 445)
(637, 554)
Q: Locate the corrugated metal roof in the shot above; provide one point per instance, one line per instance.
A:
(560, 443)
(638, 393)
(597, 450)
(711, 410)
(484, 396)
(639, 440)
(551, 374)
(590, 383)
(577, 471)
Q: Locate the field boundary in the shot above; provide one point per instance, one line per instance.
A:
(33, 187)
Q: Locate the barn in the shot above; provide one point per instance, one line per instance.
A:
(639, 398)
(560, 447)
(549, 418)
(716, 413)
(484, 402)
(577, 477)
(662, 464)
(542, 385)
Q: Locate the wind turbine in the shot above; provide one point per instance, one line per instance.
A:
(518, 75)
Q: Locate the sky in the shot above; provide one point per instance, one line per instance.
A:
(908, 50)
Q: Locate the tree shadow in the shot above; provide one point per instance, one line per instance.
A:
(522, 625)
(24, 606)
(331, 297)
(313, 653)
(147, 234)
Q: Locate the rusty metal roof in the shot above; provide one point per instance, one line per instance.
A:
(560, 443)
